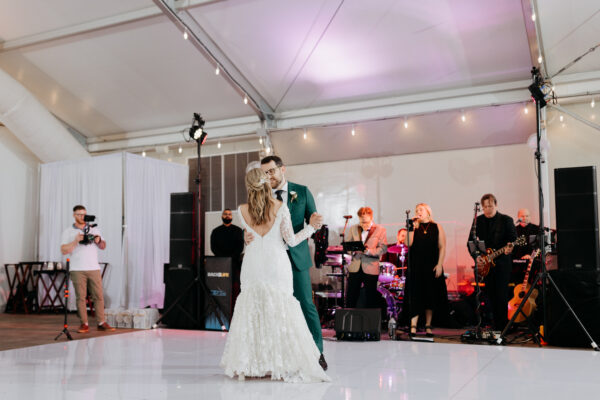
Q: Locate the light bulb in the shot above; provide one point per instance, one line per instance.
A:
(267, 149)
(593, 103)
(185, 35)
(180, 150)
(463, 117)
(526, 110)
(217, 70)
(260, 140)
(540, 59)
(405, 123)
(219, 145)
(305, 135)
(245, 99)
(143, 153)
(533, 17)
(353, 132)
(561, 118)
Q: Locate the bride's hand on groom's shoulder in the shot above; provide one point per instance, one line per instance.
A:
(248, 237)
(316, 220)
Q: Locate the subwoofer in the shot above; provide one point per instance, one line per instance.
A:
(186, 313)
(581, 288)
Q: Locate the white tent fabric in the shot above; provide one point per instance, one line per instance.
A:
(106, 186)
(148, 184)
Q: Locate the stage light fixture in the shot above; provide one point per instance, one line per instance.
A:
(196, 131)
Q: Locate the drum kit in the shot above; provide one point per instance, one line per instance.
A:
(391, 279)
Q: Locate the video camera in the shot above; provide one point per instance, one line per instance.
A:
(88, 238)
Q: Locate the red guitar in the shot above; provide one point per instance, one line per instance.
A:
(520, 292)
(486, 262)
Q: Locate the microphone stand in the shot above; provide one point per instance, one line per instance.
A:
(475, 253)
(407, 293)
(343, 235)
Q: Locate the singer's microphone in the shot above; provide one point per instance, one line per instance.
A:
(348, 216)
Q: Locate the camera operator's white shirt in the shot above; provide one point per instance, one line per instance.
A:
(85, 256)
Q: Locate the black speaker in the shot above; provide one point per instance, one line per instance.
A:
(219, 282)
(358, 324)
(182, 229)
(186, 313)
(581, 288)
(577, 218)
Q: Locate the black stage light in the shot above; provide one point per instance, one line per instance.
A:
(196, 131)
(537, 94)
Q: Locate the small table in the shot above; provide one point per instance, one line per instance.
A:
(20, 284)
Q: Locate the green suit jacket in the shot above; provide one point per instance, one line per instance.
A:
(301, 206)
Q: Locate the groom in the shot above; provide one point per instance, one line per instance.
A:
(301, 205)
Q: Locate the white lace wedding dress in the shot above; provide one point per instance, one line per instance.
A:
(268, 333)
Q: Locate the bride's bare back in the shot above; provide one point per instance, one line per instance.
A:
(262, 229)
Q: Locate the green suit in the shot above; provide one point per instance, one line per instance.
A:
(302, 204)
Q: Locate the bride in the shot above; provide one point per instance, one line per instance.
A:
(268, 335)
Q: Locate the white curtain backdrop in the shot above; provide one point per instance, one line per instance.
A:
(148, 185)
(97, 184)
(115, 188)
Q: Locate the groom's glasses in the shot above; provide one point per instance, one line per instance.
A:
(271, 171)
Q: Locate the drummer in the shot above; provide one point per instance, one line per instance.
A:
(396, 253)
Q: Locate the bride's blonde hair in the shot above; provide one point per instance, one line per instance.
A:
(260, 204)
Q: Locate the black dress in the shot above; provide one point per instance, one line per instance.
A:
(421, 282)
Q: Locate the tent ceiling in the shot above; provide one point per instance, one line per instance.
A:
(138, 74)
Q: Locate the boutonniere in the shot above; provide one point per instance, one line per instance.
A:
(294, 196)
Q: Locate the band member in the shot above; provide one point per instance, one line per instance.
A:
(364, 268)
(497, 230)
(524, 228)
(427, 252)
(395, 257)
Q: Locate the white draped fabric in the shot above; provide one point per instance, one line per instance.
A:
(107, 186)
(148, 185)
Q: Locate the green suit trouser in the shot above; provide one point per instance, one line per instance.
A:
(303, 293)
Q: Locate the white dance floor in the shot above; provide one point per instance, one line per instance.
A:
(176, 364)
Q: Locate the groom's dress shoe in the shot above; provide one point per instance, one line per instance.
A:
(323, 363)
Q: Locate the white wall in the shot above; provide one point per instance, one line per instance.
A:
(19, 191)
(572, 144)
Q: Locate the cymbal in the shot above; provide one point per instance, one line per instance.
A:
(398, 249)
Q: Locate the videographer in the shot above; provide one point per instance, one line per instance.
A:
(82, 241)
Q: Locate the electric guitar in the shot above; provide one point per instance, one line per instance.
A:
(520, 292)
(486, 262)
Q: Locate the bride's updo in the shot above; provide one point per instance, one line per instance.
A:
(260, 205)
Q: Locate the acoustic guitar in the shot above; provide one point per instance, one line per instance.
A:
(520, 292)
(486, 262)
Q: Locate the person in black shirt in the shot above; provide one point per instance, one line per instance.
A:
(497, 230)
(527, 229)
(227, 240)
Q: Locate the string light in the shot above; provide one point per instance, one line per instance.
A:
(185, 35)
(463, 117)
(305, 135)
(526, 110)
(405, 123)
(245, 99)
(217, 70)
(353, 131)
(144, 153)
(219, 145)
(180, 150)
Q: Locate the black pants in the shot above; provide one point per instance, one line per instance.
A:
(355, 279)
(496, 287)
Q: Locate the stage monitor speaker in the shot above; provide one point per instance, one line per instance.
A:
(219, 283)
(581, 288)
(182, 230)
(358, 324)
(186, 313)
(577, 218)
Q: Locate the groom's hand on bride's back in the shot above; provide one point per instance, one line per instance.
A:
(248, 237)
(316, 220)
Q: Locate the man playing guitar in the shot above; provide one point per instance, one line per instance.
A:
(497, 230)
